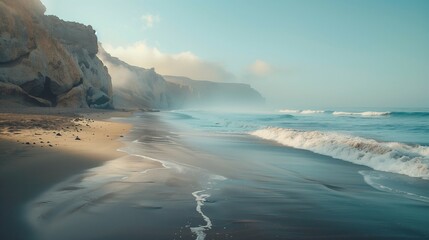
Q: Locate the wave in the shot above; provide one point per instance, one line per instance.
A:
(375, 114)
(401, 186)
(383, 156)
(289, 111)
(301, 111)
(311, 111)
(182, 116)
(365, 114)
(410, 114)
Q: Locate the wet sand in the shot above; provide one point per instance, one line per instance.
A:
(148, 194)
(40, 147)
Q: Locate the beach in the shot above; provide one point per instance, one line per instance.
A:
(39, 148)
(199, 175)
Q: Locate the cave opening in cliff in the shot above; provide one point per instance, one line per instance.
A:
(47, 92)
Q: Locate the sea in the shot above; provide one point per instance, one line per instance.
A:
(278, 174)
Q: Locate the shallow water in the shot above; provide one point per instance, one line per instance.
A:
(201, 175)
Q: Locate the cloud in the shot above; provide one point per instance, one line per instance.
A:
(178, 64)
(260, 68)
(149, 20)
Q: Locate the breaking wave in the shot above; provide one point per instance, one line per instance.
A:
(357, 114)
(383, 156)
(365, 114)
(301, 111)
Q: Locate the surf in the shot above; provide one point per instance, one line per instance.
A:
(394, 157)
(364, 114)
(290, 111)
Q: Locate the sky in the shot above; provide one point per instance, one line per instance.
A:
(298, 54)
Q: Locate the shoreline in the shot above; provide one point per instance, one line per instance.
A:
(41, 147)
(203, 185)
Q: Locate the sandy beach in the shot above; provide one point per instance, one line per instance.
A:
(40, 147)
(179, 175)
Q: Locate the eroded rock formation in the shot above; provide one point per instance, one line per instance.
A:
(136, 87)
(47, 61)
(201, 94)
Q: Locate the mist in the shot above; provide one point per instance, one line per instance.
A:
(183, 63)
(137, 87)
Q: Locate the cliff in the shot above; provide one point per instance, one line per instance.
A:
(136, 87)
(215, 94)
(47, 61)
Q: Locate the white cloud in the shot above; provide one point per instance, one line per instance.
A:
(178, 64)
(150, 19)
(260, 68)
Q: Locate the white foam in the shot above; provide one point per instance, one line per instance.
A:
(365, 114)
(200, 198)
(301, 111)
(383, 156)
(165, 164)
(379, 180)
(311, 111)
(288, 111)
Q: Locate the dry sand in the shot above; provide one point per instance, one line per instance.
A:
(39, 150)
(76, 135)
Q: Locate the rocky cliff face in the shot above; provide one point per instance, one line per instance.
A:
(135, 87)
(47, 61)
(214, 94)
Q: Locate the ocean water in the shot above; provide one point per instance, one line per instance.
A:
(387, 141)
(283, 174)
(389, 149)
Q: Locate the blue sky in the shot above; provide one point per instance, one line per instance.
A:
(299, 54)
